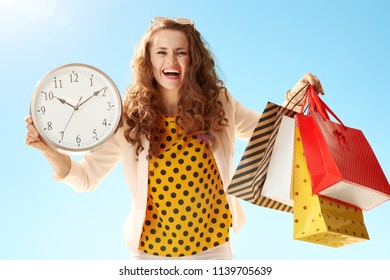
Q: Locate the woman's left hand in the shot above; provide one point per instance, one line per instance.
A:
(307, 79)
(312, 80)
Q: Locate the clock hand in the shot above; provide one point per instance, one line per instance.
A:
(74, 110)
(63, 101)
(94, 94)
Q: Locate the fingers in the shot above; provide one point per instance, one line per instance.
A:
(297, 93)
(35, 142)
(32, 132)
(32, 137)
(314, 81)
(28, 119)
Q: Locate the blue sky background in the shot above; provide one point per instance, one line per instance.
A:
(262, 49)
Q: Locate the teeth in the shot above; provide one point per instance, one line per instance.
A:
(171, 71)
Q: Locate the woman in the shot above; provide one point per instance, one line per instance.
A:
(176, 144)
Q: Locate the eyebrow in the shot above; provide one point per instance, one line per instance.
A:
(165, 48)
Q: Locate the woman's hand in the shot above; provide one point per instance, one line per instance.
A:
(33, 138)
(297, 93)
(60, 162)
(306, 80)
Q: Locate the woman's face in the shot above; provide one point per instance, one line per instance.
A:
(170, 58)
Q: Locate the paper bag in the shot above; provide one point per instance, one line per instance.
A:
(277, 185)
(250, 175)
(341, 162)
(320, 220)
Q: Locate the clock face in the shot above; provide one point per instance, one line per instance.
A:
(76, 108)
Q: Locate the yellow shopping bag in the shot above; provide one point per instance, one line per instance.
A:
(318, 219)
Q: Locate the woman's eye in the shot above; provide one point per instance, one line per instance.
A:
(161, 52)
(182, 53)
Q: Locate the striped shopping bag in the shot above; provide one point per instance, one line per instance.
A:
(250, 175)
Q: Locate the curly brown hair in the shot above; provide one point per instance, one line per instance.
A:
(199, 108)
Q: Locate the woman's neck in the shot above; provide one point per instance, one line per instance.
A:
(170, 100)
(170, 111)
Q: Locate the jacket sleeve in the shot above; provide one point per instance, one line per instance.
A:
(86, 174)
(245, 120)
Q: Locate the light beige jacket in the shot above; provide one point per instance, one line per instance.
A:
(90, 171)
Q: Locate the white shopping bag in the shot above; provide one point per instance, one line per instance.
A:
(277, 185)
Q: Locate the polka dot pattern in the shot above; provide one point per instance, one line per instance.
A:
(318, 219)
(187, 210)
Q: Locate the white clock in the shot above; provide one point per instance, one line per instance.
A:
(76, 108)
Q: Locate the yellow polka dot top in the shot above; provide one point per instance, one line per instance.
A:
(187, 210)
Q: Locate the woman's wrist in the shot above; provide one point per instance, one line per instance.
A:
(61, 163)
(291, 106)
(290, 99)
(296, 95)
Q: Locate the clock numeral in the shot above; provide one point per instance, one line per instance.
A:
(74, 77)
(109, 106)
(105, 123)
(62, 136)
(49, 126)
(95, 134)
(57, 83)
(104, 92)
(48, 95)
(90, 79)
(42, 110)
(78, 140)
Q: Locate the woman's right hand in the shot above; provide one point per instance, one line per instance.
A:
(33, 138)
(60, 162)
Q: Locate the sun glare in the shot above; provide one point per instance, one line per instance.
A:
(19, 10)
(18, 16)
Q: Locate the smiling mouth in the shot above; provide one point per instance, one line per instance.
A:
(171, 73)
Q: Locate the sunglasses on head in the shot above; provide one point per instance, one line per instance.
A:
(157, 20)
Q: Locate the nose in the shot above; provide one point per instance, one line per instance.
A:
(173, 59)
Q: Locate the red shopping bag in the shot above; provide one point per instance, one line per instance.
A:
(341, 162)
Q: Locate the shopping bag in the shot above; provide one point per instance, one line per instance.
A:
(341, 162)
(318, 219)
(277, 185)
(250, 175)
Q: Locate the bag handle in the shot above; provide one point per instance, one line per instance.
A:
(316, 104)
(295, 95)
(306, 100)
